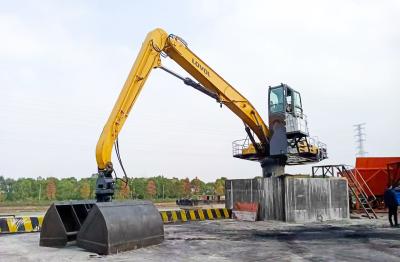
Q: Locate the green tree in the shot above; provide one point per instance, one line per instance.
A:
(2, 196)
(159, 182)
(40, 188)
(122, 190)
(92, 182)
(186, 187)
(173, 188)
(3, 187)
(9, 185)
(125, 192)
(139, 187)
(197, 186)
(209, 188)
(151, 188)
(219, 187)
(84, 190)
(51, 189)
(29, 189)
(67, 189)
(23, 189)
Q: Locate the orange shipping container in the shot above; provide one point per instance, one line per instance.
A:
(374, 172)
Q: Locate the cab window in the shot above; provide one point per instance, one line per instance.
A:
(297, 100)
(276, 100)
(289, 100)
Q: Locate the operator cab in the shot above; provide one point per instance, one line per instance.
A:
(288, 124)
(285, 105)
(289, 137)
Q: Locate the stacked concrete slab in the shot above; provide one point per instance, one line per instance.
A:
(292, 198)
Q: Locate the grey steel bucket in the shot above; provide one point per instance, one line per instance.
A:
(62, 222)
(112, 227)
(103, 228)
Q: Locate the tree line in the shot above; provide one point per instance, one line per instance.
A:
(156, 188)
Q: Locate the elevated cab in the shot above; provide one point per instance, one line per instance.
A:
(289, 128)
(290, 142)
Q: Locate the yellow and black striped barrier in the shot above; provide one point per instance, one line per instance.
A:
(174, 216)
(27, 224)
(20, 224)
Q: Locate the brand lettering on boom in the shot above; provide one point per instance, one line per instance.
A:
(201, 67)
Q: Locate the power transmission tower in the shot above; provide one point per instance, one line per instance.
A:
(360, 137)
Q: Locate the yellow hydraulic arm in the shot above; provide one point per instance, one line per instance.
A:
(156, 44)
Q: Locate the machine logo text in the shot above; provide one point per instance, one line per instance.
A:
(201, 67)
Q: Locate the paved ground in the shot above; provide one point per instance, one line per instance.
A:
(228, 240)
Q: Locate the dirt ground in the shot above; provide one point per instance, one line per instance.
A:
(22, 210)
(230, 240)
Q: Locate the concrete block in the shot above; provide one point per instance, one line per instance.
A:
(291, 198)
(315, 199)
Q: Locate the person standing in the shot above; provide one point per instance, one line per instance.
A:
(391, 203)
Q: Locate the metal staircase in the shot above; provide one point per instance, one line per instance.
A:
(357, 185)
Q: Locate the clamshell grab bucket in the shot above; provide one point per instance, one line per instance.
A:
(63, 221)
(112, 227)
(106, 228)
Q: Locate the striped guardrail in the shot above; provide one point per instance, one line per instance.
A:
(174, 216)
(27, 224)
(20, 224)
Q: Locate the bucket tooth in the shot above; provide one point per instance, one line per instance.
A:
(112, 227)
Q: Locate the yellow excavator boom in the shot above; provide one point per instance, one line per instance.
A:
(156, 43)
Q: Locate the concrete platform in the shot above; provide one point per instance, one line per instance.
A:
(289, 198)
(228, 240)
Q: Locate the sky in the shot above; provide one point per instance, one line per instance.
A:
(63, 64)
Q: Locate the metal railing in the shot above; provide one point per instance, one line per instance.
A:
(360, 181)
(240, 146)
(296, 124)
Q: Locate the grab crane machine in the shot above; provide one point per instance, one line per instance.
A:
(105, 226)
